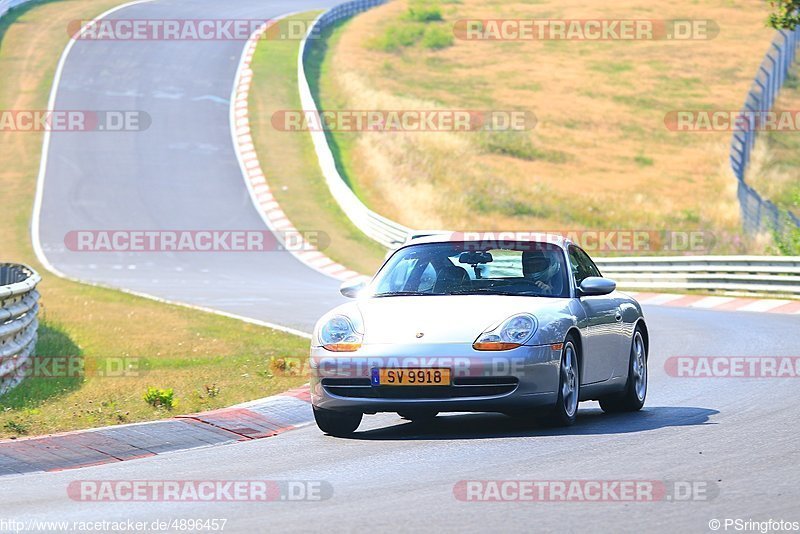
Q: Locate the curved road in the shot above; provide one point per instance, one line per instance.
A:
(738, 434)
(180, 174)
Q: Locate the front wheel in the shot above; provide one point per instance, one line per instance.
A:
(632, 399)
(566, 409)
(338, 424)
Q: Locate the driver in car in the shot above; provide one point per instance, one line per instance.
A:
(544, 268)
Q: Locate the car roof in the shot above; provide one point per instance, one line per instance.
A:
(438, 236)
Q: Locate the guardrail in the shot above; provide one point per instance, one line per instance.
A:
(757, 213)
(5, 5)
(19, 304)
(386, 232)
(728, 274)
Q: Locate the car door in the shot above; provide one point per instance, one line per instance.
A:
(601, 330)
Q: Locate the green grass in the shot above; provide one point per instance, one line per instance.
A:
(421, 23)
(293, 170)
(421, 12)
(398, 36)
(437, 38)
(643, 161)
(517, 144)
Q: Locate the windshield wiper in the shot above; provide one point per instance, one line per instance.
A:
(402, 294)
(488, 290)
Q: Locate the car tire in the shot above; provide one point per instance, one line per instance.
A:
(338, 424)
(632, 399)
(418, 417)
(565, 412)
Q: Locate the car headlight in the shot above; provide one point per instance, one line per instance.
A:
(510, 334)
(339, 335)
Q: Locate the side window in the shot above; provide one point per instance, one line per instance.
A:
(582, 266)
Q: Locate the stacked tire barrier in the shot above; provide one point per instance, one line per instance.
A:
(386, 232)
(19, 305)
(759, 214)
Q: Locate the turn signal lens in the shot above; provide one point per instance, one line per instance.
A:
(494, 346)
(342, 347)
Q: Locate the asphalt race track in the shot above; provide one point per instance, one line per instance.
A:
(738, 436)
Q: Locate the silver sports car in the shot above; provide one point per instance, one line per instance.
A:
(522, 327)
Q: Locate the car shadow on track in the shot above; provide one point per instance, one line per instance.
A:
(490, 425)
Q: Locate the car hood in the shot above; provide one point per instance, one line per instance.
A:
(445, 319)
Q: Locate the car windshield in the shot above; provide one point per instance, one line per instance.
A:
(474, 268)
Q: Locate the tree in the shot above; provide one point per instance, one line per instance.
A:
(785, 14)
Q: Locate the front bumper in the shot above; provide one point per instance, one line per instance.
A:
(482, 381)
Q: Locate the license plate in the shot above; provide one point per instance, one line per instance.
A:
(411, 377)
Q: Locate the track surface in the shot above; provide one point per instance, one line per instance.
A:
(395, 475)
(182, 174)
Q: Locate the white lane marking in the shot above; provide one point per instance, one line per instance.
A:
(711, 302)
(763, 305)
(661, 299)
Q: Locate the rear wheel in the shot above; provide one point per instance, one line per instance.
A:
(632, 399)
(565, 411)
(337, 423)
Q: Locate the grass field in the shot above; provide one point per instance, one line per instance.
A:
(209, 361)
(600, 156)
(290, 163)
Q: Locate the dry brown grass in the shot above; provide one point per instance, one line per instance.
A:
(605, 158)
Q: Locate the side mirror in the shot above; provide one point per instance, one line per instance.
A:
(352, 288)
(595, 285)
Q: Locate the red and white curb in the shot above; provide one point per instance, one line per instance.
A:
(718, 303)
(260, 193)
(83, 448)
